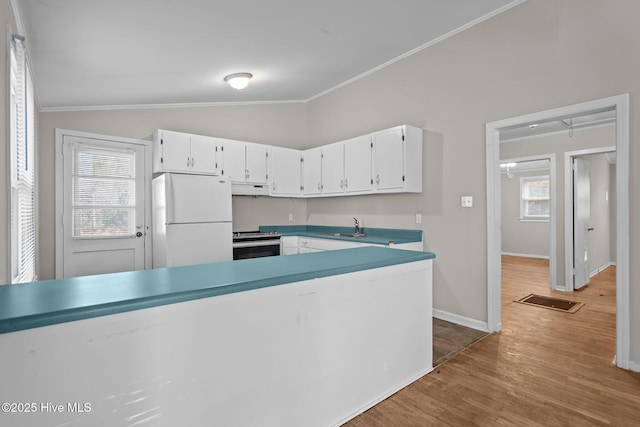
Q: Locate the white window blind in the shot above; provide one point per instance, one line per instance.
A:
(104, 192)
(534, 198)
(22, 164)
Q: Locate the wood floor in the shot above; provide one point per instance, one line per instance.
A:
(545, 368)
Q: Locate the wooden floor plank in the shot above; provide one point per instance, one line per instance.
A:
(545, 368)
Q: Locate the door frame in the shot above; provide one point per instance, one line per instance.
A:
(568, 210)
(59, 191)
(623, 309)
(553, 218)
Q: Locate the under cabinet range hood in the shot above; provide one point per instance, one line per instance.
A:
(249, 189)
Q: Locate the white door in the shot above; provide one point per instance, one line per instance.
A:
(176, 151)
(103, 206)
(312, 178)
(203, 154)
(234, 161)
(357, 164)
(284, 172)
(388, 156)
(256, 163)
(581, 222)
(333, 168)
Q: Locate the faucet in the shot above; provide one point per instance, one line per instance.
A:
(357, 226)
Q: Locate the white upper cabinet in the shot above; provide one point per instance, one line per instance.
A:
(183, 152)
(245, 162)
(257, 156)
(387, 161)
(285, 171)
(234, 165)
(333, 169)
(397, 160)
(388, 148)
(357, 164)
(312, 171)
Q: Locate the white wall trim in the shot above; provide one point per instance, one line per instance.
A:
(526, 255)
(568, 210)
(59, 191)
(154, 106)
(623, 308)
(602, 268)
(461, 320)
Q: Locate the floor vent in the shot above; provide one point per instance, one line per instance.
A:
(551, 303)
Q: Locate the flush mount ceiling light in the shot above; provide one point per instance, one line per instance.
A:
(238, 80)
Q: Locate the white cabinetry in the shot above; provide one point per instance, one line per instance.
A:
(289, 245)
(183, 152)
(333, 168)
(245, 162)
(312, 172)
(285, 171)
(357, 164)
(397, 160)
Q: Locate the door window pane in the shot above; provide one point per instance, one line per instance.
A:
(104, 192)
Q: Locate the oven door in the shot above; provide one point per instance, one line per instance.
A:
(256, 249)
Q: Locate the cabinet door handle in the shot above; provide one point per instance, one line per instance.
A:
(346, 183)
(377, 179)
(319, 187)
(193, 162)
(342, 183)
(188, 162)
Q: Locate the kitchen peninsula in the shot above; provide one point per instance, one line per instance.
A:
(308, 339)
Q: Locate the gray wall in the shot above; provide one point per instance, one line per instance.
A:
(524, 238)
(558, 144)
(275, 124)
(539, 55)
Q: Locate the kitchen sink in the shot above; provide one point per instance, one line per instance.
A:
(352, 235)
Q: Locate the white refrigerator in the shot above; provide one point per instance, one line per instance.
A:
(191, 220)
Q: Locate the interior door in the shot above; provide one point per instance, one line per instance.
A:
(581, 222)
(103, 217)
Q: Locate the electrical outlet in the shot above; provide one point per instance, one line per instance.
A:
(418, 218)
(290, 217)
(466, 201)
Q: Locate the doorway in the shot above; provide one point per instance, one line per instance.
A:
(620, 106)
(103, 204)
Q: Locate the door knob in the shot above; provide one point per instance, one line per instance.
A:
(139, 234)
(590, 229)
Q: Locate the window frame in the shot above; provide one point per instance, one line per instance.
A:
(23, 166)
(524, 216)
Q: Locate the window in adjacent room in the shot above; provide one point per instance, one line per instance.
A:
(22, 165)
(534, 198)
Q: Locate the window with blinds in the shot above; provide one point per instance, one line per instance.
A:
(22, 165)
(534, 198)
(104, 192)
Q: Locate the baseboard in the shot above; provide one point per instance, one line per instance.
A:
(601, 268)
(634, 366)
(461, 320)
(526, 255)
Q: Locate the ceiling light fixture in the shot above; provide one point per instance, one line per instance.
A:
(238, 80)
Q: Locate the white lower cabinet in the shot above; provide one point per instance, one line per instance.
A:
(289, 245)
(299, 245)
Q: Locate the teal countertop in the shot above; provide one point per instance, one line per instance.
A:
(49, 302)
(379, 236)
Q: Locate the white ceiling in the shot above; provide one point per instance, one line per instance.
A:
(97, 53)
